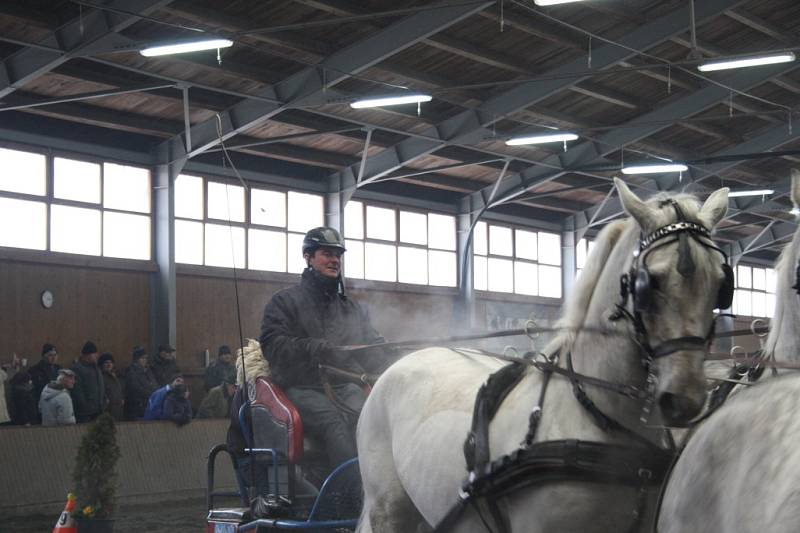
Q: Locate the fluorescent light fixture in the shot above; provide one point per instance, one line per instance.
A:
(182, 48)
(391, 100)
(542, 139)
(742, 62)
(795, 211)
(554, 2)
(655, 169)
(757, 192)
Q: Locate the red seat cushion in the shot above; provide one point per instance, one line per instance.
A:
(271, 398)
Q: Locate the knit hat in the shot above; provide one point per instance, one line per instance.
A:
(105, 357)
(89, 348)
(66, 372)
(224, 349)
(166, 348)
(138, 353)
(47, 348)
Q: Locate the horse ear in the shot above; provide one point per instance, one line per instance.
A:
(633, 205)
(714, 208)
(796, 187)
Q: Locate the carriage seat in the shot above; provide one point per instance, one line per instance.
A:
(276, 421)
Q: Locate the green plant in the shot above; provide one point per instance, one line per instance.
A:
(94, 475)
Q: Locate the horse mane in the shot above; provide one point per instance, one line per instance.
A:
(577, 304)
(784, 271)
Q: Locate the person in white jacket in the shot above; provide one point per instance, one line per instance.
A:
(55, 403)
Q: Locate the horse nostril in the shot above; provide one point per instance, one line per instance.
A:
(676, 408)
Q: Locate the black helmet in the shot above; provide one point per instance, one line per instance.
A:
(322, 236)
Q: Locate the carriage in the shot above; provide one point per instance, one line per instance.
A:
(286, 458)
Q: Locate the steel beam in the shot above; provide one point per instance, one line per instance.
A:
(772, 234)
(768, 140)
(468, 126)
(591, 152)
(88, 31)
(310, 82)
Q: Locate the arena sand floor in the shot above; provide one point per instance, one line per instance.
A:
(178, 517)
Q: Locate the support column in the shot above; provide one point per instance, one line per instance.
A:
(465, 302)
(163, 301)
(568, 270)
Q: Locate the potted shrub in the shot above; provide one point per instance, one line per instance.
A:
(95, 477)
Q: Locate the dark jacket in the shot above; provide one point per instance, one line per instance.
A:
(217, 372)
(89, 392)
(235, 439)
(42, 373)
(215, 404)
(114, 396)
(164, 370)
(178, 409)
(139, 385)
(300, 325)
(23, 407)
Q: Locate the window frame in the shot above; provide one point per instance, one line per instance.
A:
(513, 258)
(398, 243)
(49, 199)
(247, 224)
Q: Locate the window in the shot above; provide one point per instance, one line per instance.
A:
(83, 207)
(386, 244)
(220, 224)
(755, 291)
(516, 260)
(23, 172)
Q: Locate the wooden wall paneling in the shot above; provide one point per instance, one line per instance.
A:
(110, 307)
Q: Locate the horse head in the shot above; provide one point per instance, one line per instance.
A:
(676, 278)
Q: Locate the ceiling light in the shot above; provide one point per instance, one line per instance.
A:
(182, 48)
(542, 139)
(554, 2)
(391, 100)
(752, 61)
(756, 192)
(655, 169)
(795, 210)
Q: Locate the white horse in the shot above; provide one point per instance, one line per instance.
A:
(739, 472)
(414, 423)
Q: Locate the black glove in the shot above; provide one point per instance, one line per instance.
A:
(319, 350)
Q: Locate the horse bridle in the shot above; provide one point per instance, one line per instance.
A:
(638, 285)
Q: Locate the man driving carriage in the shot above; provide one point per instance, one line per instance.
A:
(300, 329)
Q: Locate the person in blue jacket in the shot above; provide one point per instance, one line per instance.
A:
(155, 405)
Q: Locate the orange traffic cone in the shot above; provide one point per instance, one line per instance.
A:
(66, 524)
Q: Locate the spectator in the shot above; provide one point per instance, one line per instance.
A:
(176, 405)
(139, 385)
(155, 405)
(55, 403)
(45, 371)
(164, 366)
(217, 403)
(221, 369)
(23, 406)
(115, 401)
(89, 393)
(4, 418)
